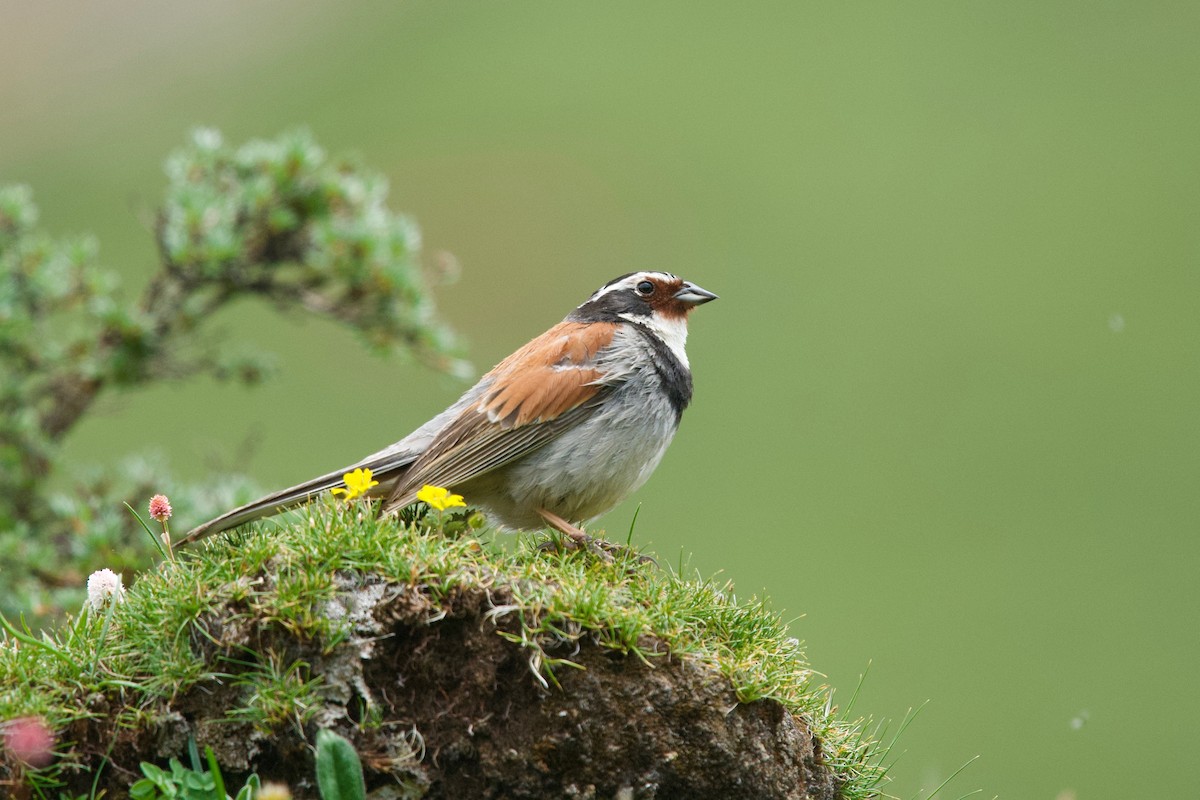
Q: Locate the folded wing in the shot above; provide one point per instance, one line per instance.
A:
(531, 397)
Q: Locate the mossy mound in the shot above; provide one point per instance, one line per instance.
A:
(457, 667)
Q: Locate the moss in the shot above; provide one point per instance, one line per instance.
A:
(240, 621)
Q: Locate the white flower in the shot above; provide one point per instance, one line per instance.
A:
(206, 138)
(102, 585)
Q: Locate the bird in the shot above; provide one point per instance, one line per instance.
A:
(554, 435)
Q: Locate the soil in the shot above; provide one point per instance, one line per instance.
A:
(439, 705)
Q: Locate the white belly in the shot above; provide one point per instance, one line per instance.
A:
(586, 471)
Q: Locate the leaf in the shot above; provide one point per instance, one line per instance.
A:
(339, 771)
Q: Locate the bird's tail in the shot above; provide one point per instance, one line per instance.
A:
(388, 466)
(265, 506)
(385, 473)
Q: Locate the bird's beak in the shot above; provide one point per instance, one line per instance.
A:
(693, 295)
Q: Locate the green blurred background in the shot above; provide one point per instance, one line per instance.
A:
(946, 408)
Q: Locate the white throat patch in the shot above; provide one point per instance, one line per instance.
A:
(673, 333)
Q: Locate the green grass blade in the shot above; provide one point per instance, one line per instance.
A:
(146, 528)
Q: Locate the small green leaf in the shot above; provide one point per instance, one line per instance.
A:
(143, 789)
(339, 771)
(250, 790)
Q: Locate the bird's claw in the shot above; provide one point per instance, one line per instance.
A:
(601, 548)
(596, 547)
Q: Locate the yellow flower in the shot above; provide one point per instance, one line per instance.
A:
(357, 483)
(439, 498)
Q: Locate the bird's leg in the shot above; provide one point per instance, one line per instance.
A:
(579, 539)
(560, 524)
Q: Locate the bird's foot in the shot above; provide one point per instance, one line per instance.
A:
(597, 547)
(577, 539)
(619, 551)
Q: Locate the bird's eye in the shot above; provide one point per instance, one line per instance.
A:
(645, 288)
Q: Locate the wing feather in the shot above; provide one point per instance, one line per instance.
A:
(543, 389)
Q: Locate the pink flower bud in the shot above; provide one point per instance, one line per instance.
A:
(160, 507)
(30, 740)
